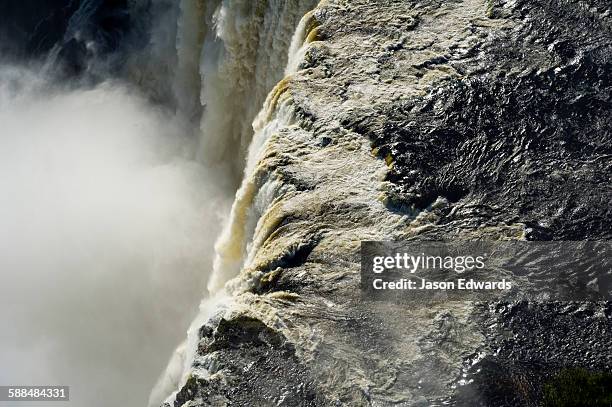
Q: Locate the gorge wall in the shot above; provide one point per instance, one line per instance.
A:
(402, 120)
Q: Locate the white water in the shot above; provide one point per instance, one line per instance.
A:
(274, 113)
(108, 219)
(244, 56)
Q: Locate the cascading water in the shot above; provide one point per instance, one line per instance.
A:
(243, 54)
(245, 47)
(111, 200)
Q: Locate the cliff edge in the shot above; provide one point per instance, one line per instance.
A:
(406, 120)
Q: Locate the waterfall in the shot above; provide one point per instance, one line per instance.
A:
(194, 22)
(244, 48)
(243, 52)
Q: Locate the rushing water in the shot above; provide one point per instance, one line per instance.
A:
(243, 55)
(110, 203)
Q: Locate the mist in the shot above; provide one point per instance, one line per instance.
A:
(107, 225)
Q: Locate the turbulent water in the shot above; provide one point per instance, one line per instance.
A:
(411, 121)
(245, 50)
(159, 154)
(116, 186)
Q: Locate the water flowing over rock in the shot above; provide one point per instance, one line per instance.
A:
(354, 120)
(399, 120)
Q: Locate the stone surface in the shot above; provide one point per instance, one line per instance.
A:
(418, 120)
(413, 120)
(405, 120)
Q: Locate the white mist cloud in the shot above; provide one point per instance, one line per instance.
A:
(106, 234)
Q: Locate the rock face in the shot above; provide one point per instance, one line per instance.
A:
(30, 28)
(415, 120)
(91, 39)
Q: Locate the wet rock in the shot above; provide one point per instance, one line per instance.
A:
(424, 120)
